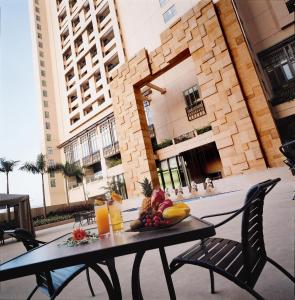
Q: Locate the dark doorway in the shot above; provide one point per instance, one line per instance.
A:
(286, 127)
(203, 162)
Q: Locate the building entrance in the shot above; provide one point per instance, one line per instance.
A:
(193, 165)
(203, 162)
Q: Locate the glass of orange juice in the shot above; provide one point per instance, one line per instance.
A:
(116, 215)
(102, 217)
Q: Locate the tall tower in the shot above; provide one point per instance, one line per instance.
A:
(77, 46)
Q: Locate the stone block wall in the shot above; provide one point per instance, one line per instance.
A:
(254, 95)
(198, 34)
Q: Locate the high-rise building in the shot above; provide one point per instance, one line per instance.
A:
(77, 45)
(165, 89)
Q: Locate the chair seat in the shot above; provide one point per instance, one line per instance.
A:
(60, 276)
(222, 256)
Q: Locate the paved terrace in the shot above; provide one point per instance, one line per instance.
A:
(191, 282)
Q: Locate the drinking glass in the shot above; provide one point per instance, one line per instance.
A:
(102, 217)
(116, 215)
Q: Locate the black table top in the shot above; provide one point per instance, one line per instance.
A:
(53, 255)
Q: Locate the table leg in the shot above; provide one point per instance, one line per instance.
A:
(115, 279)
(167, 274)
(136, 290)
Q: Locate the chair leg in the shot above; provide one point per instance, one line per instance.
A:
(212, 281)
(254, 293)
(281, 269)
(89, 282)
(33, 292)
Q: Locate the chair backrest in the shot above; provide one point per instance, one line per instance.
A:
(28, 240)
(253, 247)
(25, 237)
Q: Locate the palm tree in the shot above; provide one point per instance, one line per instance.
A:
(38, 167)
(69, 170)
(7, 166)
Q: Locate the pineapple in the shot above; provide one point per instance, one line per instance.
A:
(147, 191)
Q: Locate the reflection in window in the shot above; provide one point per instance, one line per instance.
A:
(278, 63)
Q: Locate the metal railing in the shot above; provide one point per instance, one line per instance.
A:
(195, 111)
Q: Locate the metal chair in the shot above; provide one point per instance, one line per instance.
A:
(241, 262)
(53, 282)
(288, 150)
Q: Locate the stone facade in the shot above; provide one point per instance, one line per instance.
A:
(251, 87)
(230, 99)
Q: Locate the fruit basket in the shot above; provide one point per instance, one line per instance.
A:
(163, 226)
(157, 210)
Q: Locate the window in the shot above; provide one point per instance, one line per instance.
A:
(48, 137)
(194, 105)
(49, 150)
(36, 1)
(163, 2)
(93, 141)
(43, 73)
(113, 128)
(45, 103)
(51, 163)
(40, 45)
(148, 112)
(278, 63)
(39, 36)
(169, 14)
(42, 63)
(37, 18)
(41, 53)
(85, 146)
(37, 9)
(105, 135)
(290, 6)
(46, 114)
(52, 183)
(38, 26)
(52, 174)
(192, 96)
(72, 152)
(43, 83)
(44, 93)
(47, 125)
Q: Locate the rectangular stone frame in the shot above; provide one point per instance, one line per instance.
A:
(231, 99)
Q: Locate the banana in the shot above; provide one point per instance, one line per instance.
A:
(174, 212)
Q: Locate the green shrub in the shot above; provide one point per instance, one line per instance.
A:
(50, 219)
(163, 144)
(203, 129)
(112, 162)
(71, 209)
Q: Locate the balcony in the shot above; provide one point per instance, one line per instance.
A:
(195, 111)
(79, 49)
(94, 177)
(112, 63)
(91, 159)
(73, 6)
(90, 37)
(111, 150)
(71, 82)
(76, 24)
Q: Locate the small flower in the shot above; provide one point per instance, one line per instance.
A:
(79, 234)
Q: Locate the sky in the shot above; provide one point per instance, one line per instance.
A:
(20, 133)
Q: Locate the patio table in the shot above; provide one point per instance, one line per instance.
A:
(53, 255)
